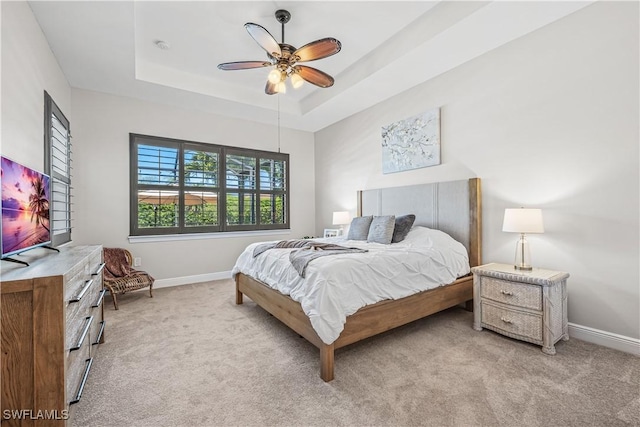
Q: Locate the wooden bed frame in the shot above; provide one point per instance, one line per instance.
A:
(384, 315)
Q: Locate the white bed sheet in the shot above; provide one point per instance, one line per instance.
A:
(337, 286)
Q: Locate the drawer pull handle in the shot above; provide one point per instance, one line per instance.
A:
(503, 292)
(505, 320)
(84, 290)
(100, 298)
(83, 382)
(99, 270)
(99, 333)
(85, 331)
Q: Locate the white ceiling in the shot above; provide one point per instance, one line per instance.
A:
(387, 47)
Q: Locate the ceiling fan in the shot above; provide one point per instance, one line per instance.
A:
(285, 58)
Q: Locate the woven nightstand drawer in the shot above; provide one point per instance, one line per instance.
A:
(512, 323)
(530, 306)
(515, 294)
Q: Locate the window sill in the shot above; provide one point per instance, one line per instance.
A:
(201, 236)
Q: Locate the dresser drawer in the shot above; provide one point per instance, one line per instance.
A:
(95, 260)
(82, 294)
(75, 281)
(76, 366)
(524, 325)
(77, 313)
(77, 333)
(97, 328)
(93, 295)
(512, 293)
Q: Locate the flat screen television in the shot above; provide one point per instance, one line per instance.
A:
(25, 208)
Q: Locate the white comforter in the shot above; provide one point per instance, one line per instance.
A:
(339, 285)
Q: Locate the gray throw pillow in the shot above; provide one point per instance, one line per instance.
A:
(402, 228)
(381, 229)
(359, 228)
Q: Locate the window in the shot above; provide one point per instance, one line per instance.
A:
(182, 187)
(57, 148)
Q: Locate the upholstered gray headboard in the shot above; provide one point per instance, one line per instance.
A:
(453, 207)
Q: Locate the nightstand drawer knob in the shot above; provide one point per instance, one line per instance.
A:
(505, 320)
(503, 292)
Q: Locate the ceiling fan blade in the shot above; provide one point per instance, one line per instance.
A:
(318, 49)
(313, 76)
(243, 65)
(270, 88)
(264, 39)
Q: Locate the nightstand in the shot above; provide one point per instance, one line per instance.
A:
(529, 306)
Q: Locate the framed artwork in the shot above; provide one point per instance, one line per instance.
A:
(412, 143)
(331, 232)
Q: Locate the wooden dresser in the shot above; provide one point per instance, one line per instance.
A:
(52, 320)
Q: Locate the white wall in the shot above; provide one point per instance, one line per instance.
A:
(102, 124)
(28, 69)
(550, 121)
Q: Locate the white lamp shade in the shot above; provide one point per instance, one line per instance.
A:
(341, 218)
(523, 220)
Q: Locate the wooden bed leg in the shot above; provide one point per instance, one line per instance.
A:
(238, 293)
(326, 362)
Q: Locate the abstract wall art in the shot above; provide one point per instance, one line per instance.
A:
(411, 143)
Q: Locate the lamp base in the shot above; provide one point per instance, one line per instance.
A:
(522, 261)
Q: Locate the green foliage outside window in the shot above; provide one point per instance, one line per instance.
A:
(182, 186)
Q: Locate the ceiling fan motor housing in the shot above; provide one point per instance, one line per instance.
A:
(283, 16)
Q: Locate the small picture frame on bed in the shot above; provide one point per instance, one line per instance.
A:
(331, 232)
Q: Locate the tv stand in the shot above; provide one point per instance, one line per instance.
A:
(18, 261)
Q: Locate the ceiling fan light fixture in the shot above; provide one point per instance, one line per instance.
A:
(296, 80)
(285, 58)
(275, 76)
(281, 87)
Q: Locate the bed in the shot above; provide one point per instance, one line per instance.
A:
(454, 207)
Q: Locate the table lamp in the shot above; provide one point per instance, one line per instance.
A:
(523, 221)
(341, 218)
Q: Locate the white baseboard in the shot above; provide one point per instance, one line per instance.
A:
(606, 339)
(186, 280)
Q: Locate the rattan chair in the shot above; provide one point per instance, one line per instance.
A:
(119, 275)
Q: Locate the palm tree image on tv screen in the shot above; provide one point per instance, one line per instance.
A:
(25, 208)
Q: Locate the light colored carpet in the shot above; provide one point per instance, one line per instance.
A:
(191, 357)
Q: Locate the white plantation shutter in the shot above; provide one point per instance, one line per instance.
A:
(58, 166)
